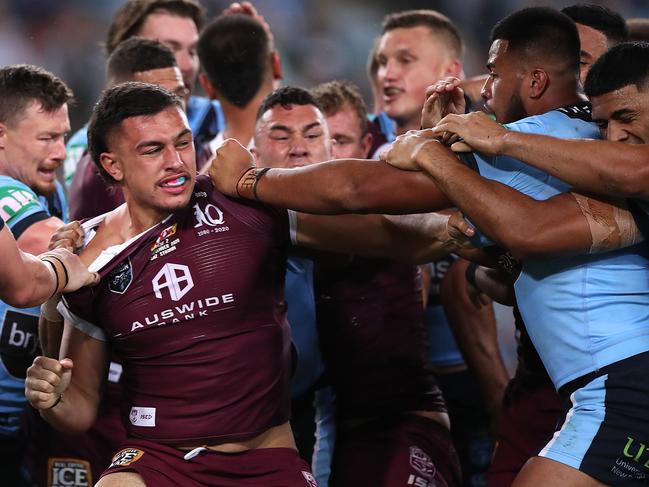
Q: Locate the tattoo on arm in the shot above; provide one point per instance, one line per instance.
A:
(247, 185)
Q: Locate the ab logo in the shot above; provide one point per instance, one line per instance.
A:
(174, 277)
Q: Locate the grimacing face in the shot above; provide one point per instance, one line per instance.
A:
(153, 159)
(294, 136)
(180, 35)
(34, 146)
(623, 115)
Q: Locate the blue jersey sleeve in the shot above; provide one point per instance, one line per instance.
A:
(20, 207)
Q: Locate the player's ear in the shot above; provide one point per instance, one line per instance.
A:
(112, 166)
(276, 66)
(3, 135)
(207, 86)
(538, 83)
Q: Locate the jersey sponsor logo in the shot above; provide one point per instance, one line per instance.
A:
(142, 416)
(68, 472)
(310, 479)
(163, 244)
(209, 219)
(185, 311)
(174, 277)
(16, 201)
(421, 462)
(125, 457)
(18, 342)
(417, 481)
(120, 278)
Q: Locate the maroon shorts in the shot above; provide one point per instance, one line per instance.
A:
(404, 450)
(527, 423)
(164, 466)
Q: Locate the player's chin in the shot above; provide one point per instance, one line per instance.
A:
(46, 188)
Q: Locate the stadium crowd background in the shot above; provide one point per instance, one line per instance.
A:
(319, 40)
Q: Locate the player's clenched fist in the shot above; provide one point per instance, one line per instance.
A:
(46, 381)
(230, 162)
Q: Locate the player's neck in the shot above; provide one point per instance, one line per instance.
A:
(401, 127)
(240, 121)
(140, 219)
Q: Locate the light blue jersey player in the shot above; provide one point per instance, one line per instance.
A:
(20, 207)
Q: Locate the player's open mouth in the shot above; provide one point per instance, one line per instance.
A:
(391, 93)
(47, 174)
(175, 183)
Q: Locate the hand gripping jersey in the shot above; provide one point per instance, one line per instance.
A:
(195, 308)
(20, 208)
(582, 312)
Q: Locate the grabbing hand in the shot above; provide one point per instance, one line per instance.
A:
(230, 163)
(404, 150)
(47, 379)
(478, 130)
(68, 236)
(443, 98)
(459, 230)
(71, 273)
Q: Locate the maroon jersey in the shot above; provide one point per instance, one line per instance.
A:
(195, 307)
(372, 332)
(89, 194)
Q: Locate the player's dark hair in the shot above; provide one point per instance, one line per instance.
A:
(333, 95)
(286, 96)
(21, 84)
(438, 23)
(638, 29)
(234, 51)
(138, 54)
(540, 33)
(116, 104)
(602, 19)
(623, 65)
(131, 16)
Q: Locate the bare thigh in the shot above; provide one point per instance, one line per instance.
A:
(121, 479)
(540, 472)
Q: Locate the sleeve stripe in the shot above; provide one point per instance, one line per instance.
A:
(80, 324)
(19, 228)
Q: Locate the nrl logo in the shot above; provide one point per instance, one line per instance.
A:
(165, 234)
(120, 278)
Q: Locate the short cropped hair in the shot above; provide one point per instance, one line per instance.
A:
(540, 33)
(333, 95)
(131, 16)
(234, 51)
(638, 29)
(623, 65)
(22, 84)
(602, 19)
(116, 104)
(138, 54)
(286, 96)
(438, 23)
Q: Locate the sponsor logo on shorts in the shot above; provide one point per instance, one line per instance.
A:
(142, 416)
(125, 457)
(310, 479)
(120, 278)
(209, 219)
(634, 464)
(164, 244)
(421, 462)
(68, 472)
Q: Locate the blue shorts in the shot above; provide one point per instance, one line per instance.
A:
(605, 433)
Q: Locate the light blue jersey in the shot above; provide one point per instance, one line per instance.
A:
(20, 208)
(581, 312)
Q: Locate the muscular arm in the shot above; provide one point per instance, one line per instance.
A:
(598, 166)
(415, 239)
(527, 227)
(77, 410)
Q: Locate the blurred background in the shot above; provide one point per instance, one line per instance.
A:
(319, 40)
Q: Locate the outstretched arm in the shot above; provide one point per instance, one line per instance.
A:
(566, 223)
(598, 166)
(334, 187)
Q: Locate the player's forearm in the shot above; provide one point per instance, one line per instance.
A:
(347, 186)
(603, 167)
(75, 413)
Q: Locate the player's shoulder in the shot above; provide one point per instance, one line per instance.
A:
(17, 200)
(571, 121)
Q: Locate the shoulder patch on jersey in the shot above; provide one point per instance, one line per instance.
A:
(120, 278)
(421, 462)
(126, 457)
(63, 472)
(582, 111)
(310, 479)
(16, 200)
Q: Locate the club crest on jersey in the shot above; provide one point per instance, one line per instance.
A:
(421, 462)
(209, 219)
(64, 472)
(126, 457)
(164, 244)
(120, 278)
